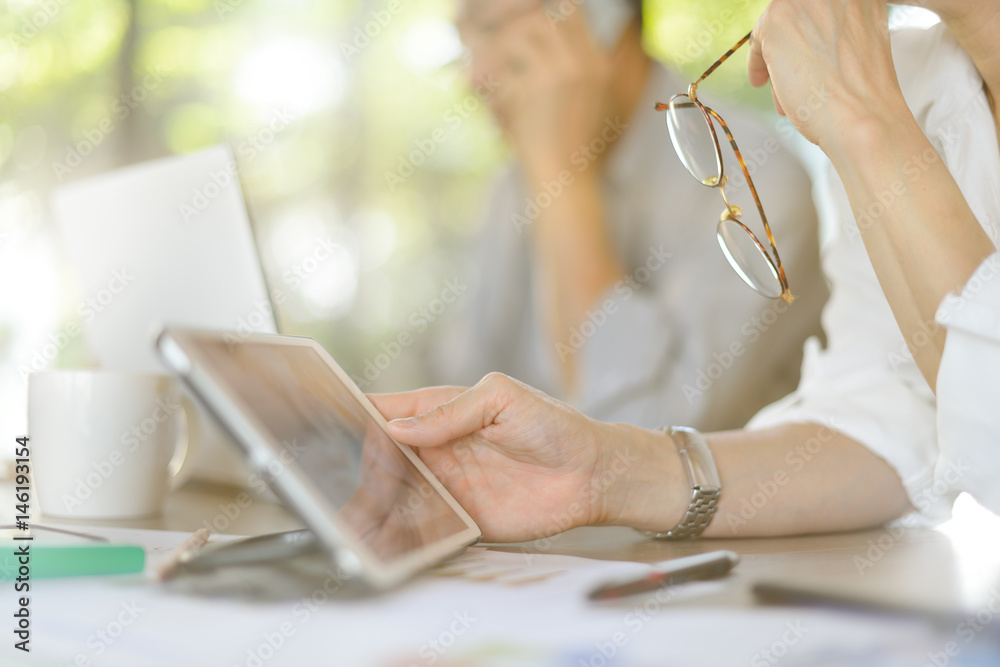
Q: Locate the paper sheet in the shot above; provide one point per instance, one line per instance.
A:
(484, 608)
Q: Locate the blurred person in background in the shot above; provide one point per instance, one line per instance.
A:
(898, 414)
(600, 279)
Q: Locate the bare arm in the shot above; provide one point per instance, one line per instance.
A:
(786, 480)
(526, 466)
(574, 261)
(921, 236)
(927, 242)
(557, 101)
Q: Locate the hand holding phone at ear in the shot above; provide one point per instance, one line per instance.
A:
(553, 89)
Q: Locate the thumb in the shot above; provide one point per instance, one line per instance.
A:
(756, 65)
(469, 412)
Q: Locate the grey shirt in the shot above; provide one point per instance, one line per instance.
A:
(680, 339)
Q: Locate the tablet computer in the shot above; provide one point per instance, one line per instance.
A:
(320, 444)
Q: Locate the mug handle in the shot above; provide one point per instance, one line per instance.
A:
(186, 449)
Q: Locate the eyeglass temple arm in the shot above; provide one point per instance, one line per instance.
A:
(665, 106)
(724, 58)
(660, 106)
(756, 198)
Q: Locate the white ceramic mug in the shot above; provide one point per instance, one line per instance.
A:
(106, 445)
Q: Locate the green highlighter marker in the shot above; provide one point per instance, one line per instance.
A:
(67, 555)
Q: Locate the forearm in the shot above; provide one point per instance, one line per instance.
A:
(793, 479)
(921, 236)
(574, 258)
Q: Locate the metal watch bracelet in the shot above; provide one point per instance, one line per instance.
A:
(698, 463)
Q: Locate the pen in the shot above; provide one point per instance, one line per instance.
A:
(169, 567)
(250, 550)
(678, 570)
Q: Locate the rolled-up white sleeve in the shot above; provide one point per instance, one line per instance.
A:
(968, 387)
(865, 383)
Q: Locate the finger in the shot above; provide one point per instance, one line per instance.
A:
(410, 403)
(575, 30)
(571, 45)
(777, 103)
(527, 42)
(465, 414)
(536, 27)
(756, 65)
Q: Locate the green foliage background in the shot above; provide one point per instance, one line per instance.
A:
(64, 62)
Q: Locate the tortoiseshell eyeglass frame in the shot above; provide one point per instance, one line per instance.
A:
(732, 213)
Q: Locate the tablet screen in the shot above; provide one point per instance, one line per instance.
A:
(320, 426)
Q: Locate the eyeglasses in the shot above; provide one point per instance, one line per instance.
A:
(696, 142)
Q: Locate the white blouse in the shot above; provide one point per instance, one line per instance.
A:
(866, 384)
(968, 386)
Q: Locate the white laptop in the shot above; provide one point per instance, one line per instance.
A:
(166, 241)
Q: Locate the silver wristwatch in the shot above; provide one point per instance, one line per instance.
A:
(696, 458)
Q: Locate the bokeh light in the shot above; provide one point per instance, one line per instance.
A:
(362, 89)
(294, 72)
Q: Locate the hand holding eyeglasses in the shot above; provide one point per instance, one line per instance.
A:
(837, 52)
(830, 67)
